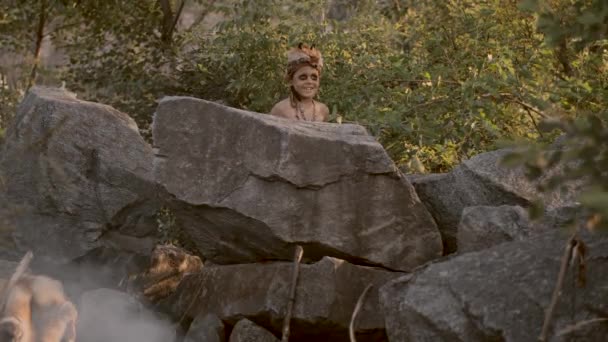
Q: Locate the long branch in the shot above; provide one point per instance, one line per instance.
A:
(558, 288)
(292, 293)
(38, 46)
(176, 18)
(512, 98)
(353, 318)
(165, 7)
(579, 325)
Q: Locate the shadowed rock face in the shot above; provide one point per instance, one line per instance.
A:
(325, 297)
(481, 181)
(206, 327)
(498, 294)
(71, 171)
(247, 331)
(248, 186)
(482, 227)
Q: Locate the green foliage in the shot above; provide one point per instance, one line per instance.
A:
(577, 31)
(436, 81)
(8, 104)
(425, 84)
(130, 70)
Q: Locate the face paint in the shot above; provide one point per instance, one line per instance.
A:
(305, 82)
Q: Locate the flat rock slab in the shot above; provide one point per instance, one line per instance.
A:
(325, 298)
(71, 171)
(498, 294)
(248, 187)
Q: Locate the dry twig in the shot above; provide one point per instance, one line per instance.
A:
(358, 306)
(558, 287)
(292, 293)
(579, 325)
(19, 271)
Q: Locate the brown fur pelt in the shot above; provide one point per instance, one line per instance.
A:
(168, 266)
(36, 309)
(300, 56)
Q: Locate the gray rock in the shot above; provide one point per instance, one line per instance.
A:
(326, 295)
(249, 186)
(498, 294)
(247, 331)
(109, 315)
(481, 181)
(482, 227)
(431, 189)
(206, 328)
(73, 171)
(7, 268)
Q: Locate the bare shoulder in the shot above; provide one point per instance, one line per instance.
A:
(282, 109)
(324, 111)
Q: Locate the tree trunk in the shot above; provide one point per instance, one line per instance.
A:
(38, 46)
(169, 19)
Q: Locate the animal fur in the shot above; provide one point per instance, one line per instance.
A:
(36, 310)
(168, 266)
(305, 54)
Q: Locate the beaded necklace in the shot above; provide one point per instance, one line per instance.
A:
(299, 108)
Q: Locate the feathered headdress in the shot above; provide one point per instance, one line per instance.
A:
(302, 54)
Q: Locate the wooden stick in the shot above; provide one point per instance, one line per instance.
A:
(558, 287)
(19, 271)
(292, 293)
(571, 328)
(351, 326)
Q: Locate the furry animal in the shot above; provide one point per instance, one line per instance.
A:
(37, 310)
(169, 264)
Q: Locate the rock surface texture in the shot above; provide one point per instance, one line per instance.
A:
(74, 171)
(499, 294)
(82, 189)
(482, 227)
(206, 327)
(249, 186)
(325, 297)
(247, 331)
(479, 181)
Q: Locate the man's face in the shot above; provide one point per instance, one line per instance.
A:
(305, 81)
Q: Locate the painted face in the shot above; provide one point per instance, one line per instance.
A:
(305, 81)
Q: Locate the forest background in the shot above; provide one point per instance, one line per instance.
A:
(436, 81)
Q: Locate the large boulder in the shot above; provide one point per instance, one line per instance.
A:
(326, 294)
(77, 175)
(247, 331)
(481, 181)
(498, 294)
(482, 227)
(249, 186)
(206, 328)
